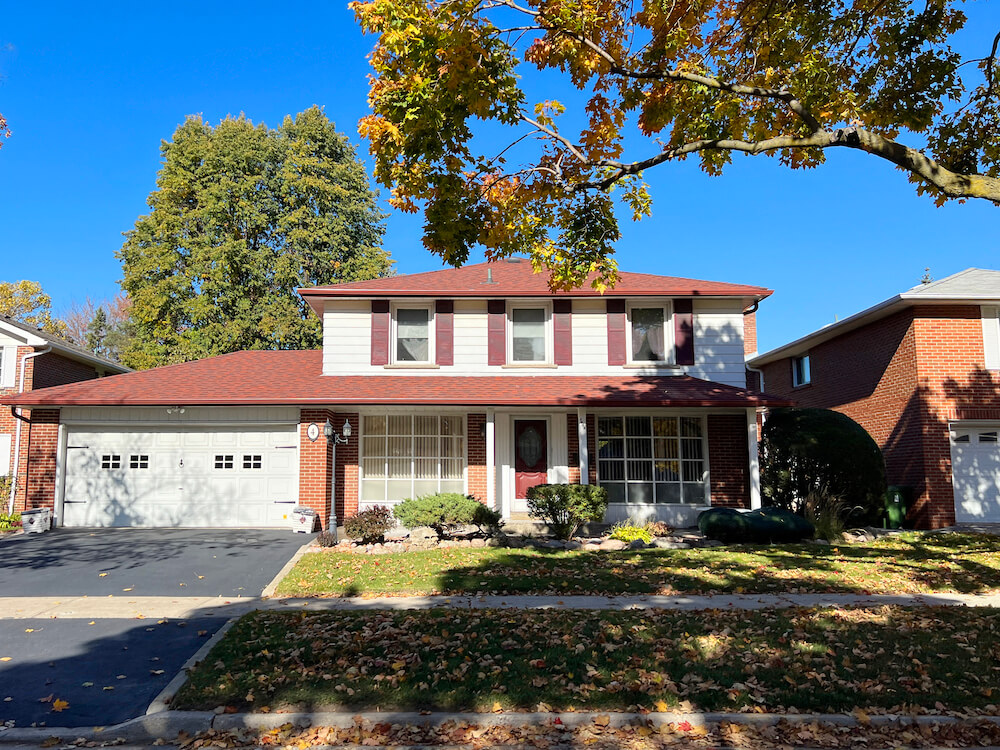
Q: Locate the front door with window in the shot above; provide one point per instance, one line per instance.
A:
(531, 455)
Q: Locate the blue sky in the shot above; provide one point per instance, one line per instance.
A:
(91, 90)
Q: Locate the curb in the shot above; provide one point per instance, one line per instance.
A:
(161, 702)
(273, 585)
(165, 725)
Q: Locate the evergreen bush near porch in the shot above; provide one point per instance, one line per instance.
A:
(565, 507)
(443, 511)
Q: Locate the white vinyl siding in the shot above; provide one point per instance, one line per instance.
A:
(409, 455)
(718, 342)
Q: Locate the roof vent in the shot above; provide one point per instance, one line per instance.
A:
(514, 260)
(926, 277)
(489, 276)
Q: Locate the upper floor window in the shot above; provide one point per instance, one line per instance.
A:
(800, 370)
(412, 336)
(650, 335)
(529, 334)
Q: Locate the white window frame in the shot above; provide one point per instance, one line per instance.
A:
(546, 307)
(363, 503)
(991, 337)
(796, 380)
(8, 366)
(669, 345)
(706, 472)
(431, 333)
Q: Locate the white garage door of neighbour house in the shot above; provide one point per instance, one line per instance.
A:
(190, 476)
(975, 468)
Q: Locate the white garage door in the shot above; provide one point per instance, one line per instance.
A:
(975, 468)
(233, 476)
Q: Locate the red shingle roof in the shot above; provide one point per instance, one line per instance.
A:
(518, 279)
(295, 378)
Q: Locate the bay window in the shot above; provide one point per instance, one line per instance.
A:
(408, 455)
(646, 460)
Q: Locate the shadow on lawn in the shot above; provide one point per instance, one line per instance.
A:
(928, 563)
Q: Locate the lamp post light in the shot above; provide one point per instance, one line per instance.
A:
(333, 440)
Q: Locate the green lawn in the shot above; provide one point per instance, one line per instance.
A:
(823, 660)
(911, 563)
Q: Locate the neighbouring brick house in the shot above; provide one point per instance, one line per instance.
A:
(919, 372)
(31, 359)
(477, 380)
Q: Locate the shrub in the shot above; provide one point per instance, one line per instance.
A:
(369, 525)
(824, 455)
(660, 528)
(326, 539)
(564, 507)
(10, 521)
(446, 510)
(628, 531)
(827, 514)
(763, 526)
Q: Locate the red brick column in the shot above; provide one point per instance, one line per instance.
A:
(42, 452)
(315, 458)
(729, 460)
(573, 447)
(477, 475)
(347, 473)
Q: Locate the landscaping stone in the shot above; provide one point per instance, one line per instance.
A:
(612, 545)
(670, 544)
(711, 543)
(592, 546)
(572, 544)
(423, 534)
(822, 542)
(637, 544)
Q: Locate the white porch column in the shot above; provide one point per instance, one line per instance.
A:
(491, 460)
(581, 437)
(753, 450)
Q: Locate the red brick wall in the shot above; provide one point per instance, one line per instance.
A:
(750, 333)
(314, 464)
(728, 460)
(903, 378)
(42, 449)
(54, 369)
(347, 474)
(476, 476)
(573, 447)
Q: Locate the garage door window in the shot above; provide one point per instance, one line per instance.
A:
(223, 462)
(251, 462)
(111, 461)
(411, 455)
(138, 461)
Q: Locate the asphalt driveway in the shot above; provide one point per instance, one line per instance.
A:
(144, 562)
(109, 670)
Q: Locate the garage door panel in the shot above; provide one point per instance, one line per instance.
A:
(180, 484)
(975, 460)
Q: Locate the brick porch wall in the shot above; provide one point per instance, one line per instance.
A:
(42, 449)
(729, 460)
(573, 447)
(314, 464)
(476, 473)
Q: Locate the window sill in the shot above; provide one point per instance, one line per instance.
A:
(530, 366)
(412, 366)
(801, 385)
(652, 366)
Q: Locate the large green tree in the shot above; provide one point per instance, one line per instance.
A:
(241, 216)
(657, 81)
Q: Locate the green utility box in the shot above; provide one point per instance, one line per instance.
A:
(895, 506)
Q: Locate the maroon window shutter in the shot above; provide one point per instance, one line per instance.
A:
(683, 332)
(562, 330)
(444, 336)
(380, 331)
(497, 332)
(616, 331)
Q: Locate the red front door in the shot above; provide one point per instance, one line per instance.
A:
(531, 455)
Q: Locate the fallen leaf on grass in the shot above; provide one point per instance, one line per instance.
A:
(59, 705)
(156, 672)
(101, 575)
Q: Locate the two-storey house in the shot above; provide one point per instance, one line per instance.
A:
(477, 380)
(920, 372)
(32, 359)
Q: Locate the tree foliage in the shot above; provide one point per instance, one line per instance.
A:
(818, 457)
(4, 128)
(102, 327)
(704, 78)
(243, 215)
(25, 301)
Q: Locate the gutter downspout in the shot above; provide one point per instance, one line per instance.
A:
(20, 418)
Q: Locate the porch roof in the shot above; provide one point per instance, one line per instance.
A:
(259, 378)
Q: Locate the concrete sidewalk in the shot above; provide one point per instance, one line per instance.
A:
(185, 607)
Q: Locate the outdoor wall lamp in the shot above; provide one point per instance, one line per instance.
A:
(175, 410)
(331, 435)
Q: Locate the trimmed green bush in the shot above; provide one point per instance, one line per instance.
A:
(763, 526)
(446, 510)
(628, 531)
(369, 526)
(564, 507)
(821, 461)
(10, 521)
